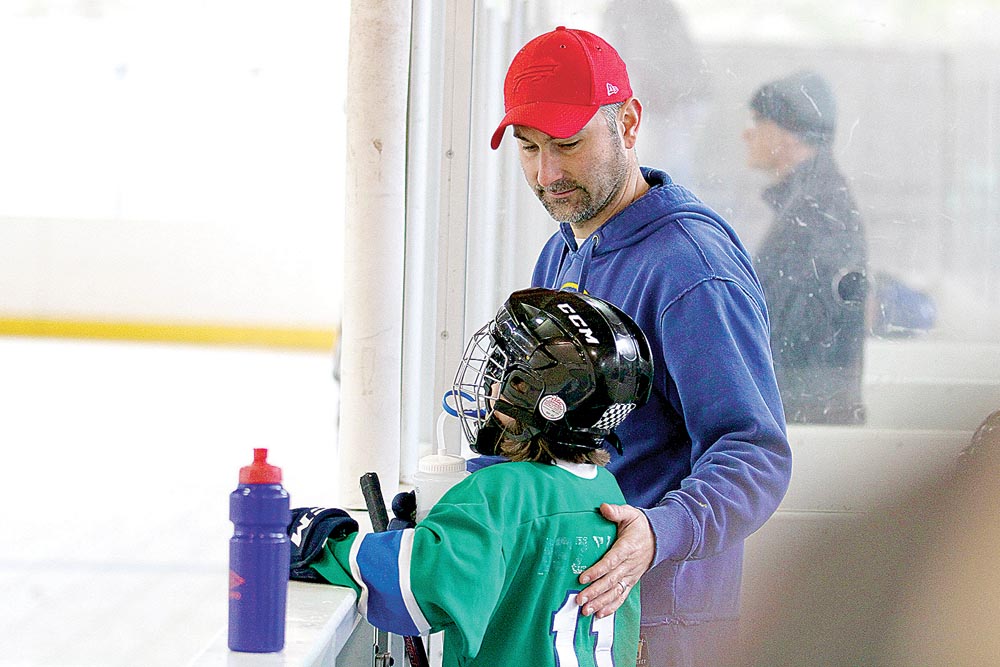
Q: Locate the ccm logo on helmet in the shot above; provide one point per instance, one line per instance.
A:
(579, 323)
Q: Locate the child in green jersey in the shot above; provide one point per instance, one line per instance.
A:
(496, 562)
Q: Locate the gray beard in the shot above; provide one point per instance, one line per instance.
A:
(588, 208)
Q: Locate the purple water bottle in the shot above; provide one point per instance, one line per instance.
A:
(259, 555)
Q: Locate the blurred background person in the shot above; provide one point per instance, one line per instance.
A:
(984, 441)
(812, 260)
(912, 582)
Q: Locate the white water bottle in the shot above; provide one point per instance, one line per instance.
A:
(436, 474)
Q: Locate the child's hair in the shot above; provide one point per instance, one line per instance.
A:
(539, 449)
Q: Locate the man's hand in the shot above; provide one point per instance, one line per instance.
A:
(629, 557)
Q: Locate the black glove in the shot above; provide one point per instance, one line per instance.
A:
(308, 532)
(404, 510)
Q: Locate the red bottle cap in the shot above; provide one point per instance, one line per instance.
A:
(260, 471)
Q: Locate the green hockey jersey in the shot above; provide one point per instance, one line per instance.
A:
(496, 565)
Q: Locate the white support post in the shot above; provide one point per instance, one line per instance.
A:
(378, 66)
(453, 230)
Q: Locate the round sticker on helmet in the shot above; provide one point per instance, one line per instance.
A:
(552, 408)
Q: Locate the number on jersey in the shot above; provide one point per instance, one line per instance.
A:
(564, 628)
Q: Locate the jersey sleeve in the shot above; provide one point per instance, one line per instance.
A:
(377, 566)
(448, 572)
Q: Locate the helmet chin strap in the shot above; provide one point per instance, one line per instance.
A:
(615, 442)
(492, 433)
(488, 440)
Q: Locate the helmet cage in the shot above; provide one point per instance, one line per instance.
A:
(476, 387)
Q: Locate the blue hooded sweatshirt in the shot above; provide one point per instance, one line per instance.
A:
(707, 459)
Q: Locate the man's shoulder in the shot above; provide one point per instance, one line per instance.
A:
(668, 202)
(686, 232)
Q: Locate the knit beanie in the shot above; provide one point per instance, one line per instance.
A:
(801, 103)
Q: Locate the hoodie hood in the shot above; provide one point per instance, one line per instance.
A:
(663, 204)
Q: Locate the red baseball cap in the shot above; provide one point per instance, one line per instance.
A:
(558, 81)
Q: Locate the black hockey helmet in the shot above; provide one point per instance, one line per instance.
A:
(565, 365)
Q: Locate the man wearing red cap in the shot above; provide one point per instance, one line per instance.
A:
(706, 461)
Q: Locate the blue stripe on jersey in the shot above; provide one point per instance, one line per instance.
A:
(378, 562)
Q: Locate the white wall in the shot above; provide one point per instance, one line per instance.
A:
(213, 271)
(173, 161)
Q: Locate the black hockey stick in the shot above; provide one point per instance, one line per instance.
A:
(371, 489)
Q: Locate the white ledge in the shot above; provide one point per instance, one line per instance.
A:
(318, 622)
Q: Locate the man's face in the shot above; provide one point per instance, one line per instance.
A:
(768, 144)
(574, 178)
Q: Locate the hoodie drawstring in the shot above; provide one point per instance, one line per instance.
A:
(580, 265)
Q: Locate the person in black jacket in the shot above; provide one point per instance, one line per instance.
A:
(812, 262)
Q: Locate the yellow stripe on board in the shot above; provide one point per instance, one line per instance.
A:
(207, 334)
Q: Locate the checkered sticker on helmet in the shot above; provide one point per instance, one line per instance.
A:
(614, 416)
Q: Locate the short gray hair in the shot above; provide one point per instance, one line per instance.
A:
(610, 112)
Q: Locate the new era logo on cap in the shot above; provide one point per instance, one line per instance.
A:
(558, 81)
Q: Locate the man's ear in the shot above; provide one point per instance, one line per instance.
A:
(631, 116)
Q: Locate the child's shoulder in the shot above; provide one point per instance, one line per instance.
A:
(519, 475)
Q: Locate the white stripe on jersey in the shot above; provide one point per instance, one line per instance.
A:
(405, 553)
(356, 575)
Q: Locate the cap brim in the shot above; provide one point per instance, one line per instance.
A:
(556, 120)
